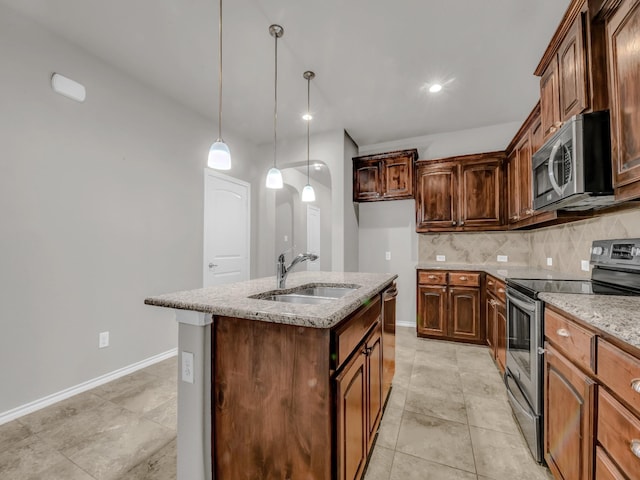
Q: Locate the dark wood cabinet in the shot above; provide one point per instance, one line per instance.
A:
(568, 419)
(571, 69)
(385, 176)
(374, 363)
(448, 306)
(622, 32)
(460, 193)
(389, 298)
(496, 320)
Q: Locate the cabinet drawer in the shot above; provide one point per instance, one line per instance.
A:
(619, 433)
(605, 468)
(350, 333)
(464, 279)
(620, 372)
(574, 341)
(432, 278)
(496, 287)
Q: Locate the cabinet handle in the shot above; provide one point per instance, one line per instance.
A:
(635, 385)
(563, 332)
(454, 223)
(464, 279)
(367, 351)
(444, 289)
(541, 351)
(501, 290)
(635, 447)
(461, 223)
(492, 302)
(431, 277)
(490, 283)
(530, 211)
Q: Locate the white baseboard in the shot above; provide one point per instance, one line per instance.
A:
(83, 387)
(406, 324)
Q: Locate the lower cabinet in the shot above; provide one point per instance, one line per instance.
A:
(359, 406)
(448, 306)
(496, 320)
(568, 419)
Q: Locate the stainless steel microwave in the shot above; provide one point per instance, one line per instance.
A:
(572, 170)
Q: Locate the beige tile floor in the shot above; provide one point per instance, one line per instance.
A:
(447, 419)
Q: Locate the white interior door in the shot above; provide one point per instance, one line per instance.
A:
(226, 229)
(313, 235)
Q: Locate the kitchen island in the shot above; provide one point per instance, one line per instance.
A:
(270, 389)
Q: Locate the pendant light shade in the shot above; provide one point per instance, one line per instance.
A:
(308, 194)
(219, 154)
(274, 176)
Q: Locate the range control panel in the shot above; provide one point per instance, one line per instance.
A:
(624, 252)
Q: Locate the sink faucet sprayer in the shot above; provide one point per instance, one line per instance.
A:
(282, 271)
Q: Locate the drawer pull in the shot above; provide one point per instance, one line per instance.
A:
(490, 283)
(563, 332)
(501, 290)
(635, 447)
(431, 277)
(635, 385)
(464, 279)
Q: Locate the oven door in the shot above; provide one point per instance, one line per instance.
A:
(524, 336)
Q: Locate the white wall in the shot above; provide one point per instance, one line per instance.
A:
(390, 226)
(101, 205)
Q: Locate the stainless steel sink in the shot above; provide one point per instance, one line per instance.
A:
(295, 298)
(308, 294)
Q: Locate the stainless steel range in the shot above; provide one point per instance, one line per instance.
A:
(616, 271)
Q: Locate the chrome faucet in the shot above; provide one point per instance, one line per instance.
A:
(282, 271)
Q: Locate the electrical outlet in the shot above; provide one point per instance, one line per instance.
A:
(584, 264)
(103, 340)
(441, 258)
(549, 262)
(187, 367)
(387, 255)
(503, 258)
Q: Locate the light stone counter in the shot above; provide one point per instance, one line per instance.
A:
(233, 300)
(499, 271)
(615, 315)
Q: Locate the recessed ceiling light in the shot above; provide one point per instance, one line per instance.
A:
(435, 88)
(307, 116)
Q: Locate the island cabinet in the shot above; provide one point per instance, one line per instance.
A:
(297, 402)
(622, 32)
(385, 176)
(496, 320)
(460, 193)
(591, 402)
(571, 70)
(448, 306)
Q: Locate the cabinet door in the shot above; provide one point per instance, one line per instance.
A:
(523, 151)
(605, 468)
(398, 177)
(351, 419)
(501, 335)
(374, 382)
(513, 186)
(464, 304)
(549, 99)
(623, 31)
(432, 311)
(436, 193)
(572, 72)
(480, 195)
(367, 180)
(569, 397)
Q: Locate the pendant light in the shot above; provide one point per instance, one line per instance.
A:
(219, 154)
(308, 195)
(274, 176)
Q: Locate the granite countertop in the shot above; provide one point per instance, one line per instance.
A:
(615, 315)
(232, 300)
(502, 272)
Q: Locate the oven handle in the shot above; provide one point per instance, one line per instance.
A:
(521, 304)
(552, 158)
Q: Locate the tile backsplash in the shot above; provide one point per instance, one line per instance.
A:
(567, 245)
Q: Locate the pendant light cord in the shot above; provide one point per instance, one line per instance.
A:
(220, 74)
(275, 108)
(308, 122)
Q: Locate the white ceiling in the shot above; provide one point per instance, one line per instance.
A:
(371, 58)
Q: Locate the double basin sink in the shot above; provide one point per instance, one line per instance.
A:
(309, 294)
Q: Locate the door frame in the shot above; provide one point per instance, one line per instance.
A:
(221, 176)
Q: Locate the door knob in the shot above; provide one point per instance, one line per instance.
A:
(212, 265)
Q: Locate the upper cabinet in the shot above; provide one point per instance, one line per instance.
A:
(571, 70)
(623, 34)
(460, 193)
(385, 176)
